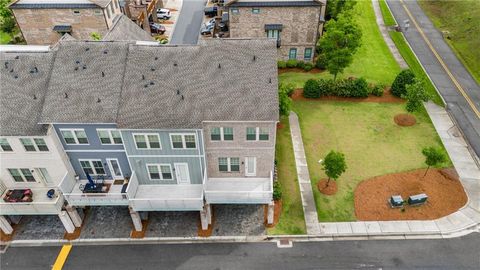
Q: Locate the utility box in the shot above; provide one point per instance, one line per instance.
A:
(396, 201)
(418, 199)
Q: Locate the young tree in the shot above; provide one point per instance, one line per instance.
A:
(433, 157)
(416, 94)
(403, 78)
(284, 100)
(95, 36)
(334, 165)
(339, 43)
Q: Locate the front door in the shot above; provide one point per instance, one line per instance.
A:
(250, 166)
(114, 167)
(182, 173)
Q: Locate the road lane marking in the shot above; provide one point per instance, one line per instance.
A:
(62, 257)
(454, 80)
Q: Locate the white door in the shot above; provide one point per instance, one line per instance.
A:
(182, 173)
(250, 166)
(115, 169)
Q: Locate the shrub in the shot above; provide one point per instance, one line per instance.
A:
(403, 78)
(377, 90)
(311, 89)
(327, 87)
(300, 64)
(321, 62)
(288, 88)
(308, 66)
(281, 64)
(359, 88)
(284, 101)
(277, 191)
(292, 63)
(7, 25)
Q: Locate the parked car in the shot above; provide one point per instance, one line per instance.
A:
(163, 13)
(157, 28)
(210, 11)
(207, 29)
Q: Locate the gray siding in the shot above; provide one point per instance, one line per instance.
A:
(122, 160)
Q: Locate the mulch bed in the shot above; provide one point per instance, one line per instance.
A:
(277, 210)
(139, 234)
(445, 195)
(330, 190)
(299, 70)
(4, 238)
(404, 120)
(386, 98)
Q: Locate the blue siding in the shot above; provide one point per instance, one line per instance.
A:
(93, 140)
(122, 160)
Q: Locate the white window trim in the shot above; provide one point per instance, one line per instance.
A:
(147, 140)
(3, 151)
(159, 171)
(72, 130)
(222, 136)
(257, 135)
(229, 164)
(112, 172)
(184, 145)
(110, 136)
(22, 175)
(91, 165)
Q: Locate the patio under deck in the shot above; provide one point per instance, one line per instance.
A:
(41, 204)
(239, 190)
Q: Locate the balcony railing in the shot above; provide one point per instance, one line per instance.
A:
(41, 204)
(113, 197)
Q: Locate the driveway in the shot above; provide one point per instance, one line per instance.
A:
(455, 84)
(188, 24)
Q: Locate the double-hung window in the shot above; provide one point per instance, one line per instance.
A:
(74, 136)
(147, 141)
(28, 144)
(255, 10)
(235, 11)
(5, 146)
(22, 175)
(93, 167)
(35, 144)
(221, 134)
(229, 164)
(307, 54)
(159, 171)
(257, 134)
(272, 33)
(109, 136)
(292, 53)
(183, 141)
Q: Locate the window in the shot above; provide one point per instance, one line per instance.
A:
(147, 141)
(293, 53)
(222, 134)
(76, 12)
(98, 12)
(5, 146)
(74, 136)
(41, 145)
(183, 141)
(160, 171)
(28, 144)
(308, 54)
(255, 10)
(273, 34)
(93, 167)
(257, 134)
(109, 136)
(234, 11)
(22, 175)
(231, 164)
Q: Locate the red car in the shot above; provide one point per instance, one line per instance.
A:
(157, 28)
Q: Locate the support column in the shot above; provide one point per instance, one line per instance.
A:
(137, 221)
(205, 217)
(67, 222)
(270, 213)
(76, 219)
(208, 208)
(5, 225)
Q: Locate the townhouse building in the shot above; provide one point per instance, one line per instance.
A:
(296, 25)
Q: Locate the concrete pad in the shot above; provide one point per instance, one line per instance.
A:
(444, 224)
(328, 228)
(358, 227)
(394, 226)
(373, 227)
(460, 220)
(343, 227)
(471, 213)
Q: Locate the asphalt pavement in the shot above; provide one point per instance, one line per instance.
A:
(464, 103)
(187, 28)
(455, 253)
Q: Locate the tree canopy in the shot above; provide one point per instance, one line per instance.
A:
(334, 165)
(416, 94)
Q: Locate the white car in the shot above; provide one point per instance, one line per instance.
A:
(163, 13)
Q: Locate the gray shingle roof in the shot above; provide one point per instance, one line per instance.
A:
(92, 97)
(21, 98)
(125, 29)
(228, 80)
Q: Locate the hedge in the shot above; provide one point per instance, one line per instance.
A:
(342, 88)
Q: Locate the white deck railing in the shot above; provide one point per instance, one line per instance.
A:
(41, 204)
(67, 183)
(151, 204)
(132, 186)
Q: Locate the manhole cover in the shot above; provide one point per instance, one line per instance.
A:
(284, 243)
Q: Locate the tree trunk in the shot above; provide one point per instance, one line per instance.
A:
(335, 77)
(328, 182)
(426, 172)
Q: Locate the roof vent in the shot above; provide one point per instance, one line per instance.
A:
(76, 68)
(156, 58)
(254, 58)
(174, 64)
(145, 85)
(11, 70)
(16, 57)
(34, 96)
(143, 77)
(178, 92)
(87, 49)
(66, 95)
(77, 62)
(270, 80)
(219, 66)
(6, 65)
(84, 67)
(152, 83)
(183, 97)
(103, 74)
(152, 69)
(105, 52)
(16, 76)
(35, 69)
(98, 100)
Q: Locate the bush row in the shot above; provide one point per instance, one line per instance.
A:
(293, 63)
(342, 88)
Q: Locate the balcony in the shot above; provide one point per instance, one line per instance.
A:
(164, 197)
(40, 204)
(239, 190)
(111, 195)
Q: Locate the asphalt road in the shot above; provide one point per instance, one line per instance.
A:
(457, 104)
(189, 22)
(457, 253)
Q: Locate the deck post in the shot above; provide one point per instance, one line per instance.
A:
(137, 221)
(67, 222)
(73, 213)
(205, 217)
(5, 225)
(270, 213)
(208, 208)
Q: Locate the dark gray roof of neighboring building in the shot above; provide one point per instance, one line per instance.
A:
(21, 98)
(125, 29)
(86, 82)
(228, 80)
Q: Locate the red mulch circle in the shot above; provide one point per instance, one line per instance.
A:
(404, 120)
(299, 70)
(445, 195)
(330, 190)
(386, 98)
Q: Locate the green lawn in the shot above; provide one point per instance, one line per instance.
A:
(5, 37)
(462, 20)
(373, 60)
(291, 218)
(387, 16)
(372, 143)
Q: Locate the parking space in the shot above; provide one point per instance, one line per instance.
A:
(107, 222)
(231, 219)
(39, 227)
(172, 224)
(214, 22)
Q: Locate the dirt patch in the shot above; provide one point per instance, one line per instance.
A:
(386, 98)
(299, 70)
(139, 234)
(445, 195)
(330, 190)
(277, 210)
(404, 120)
